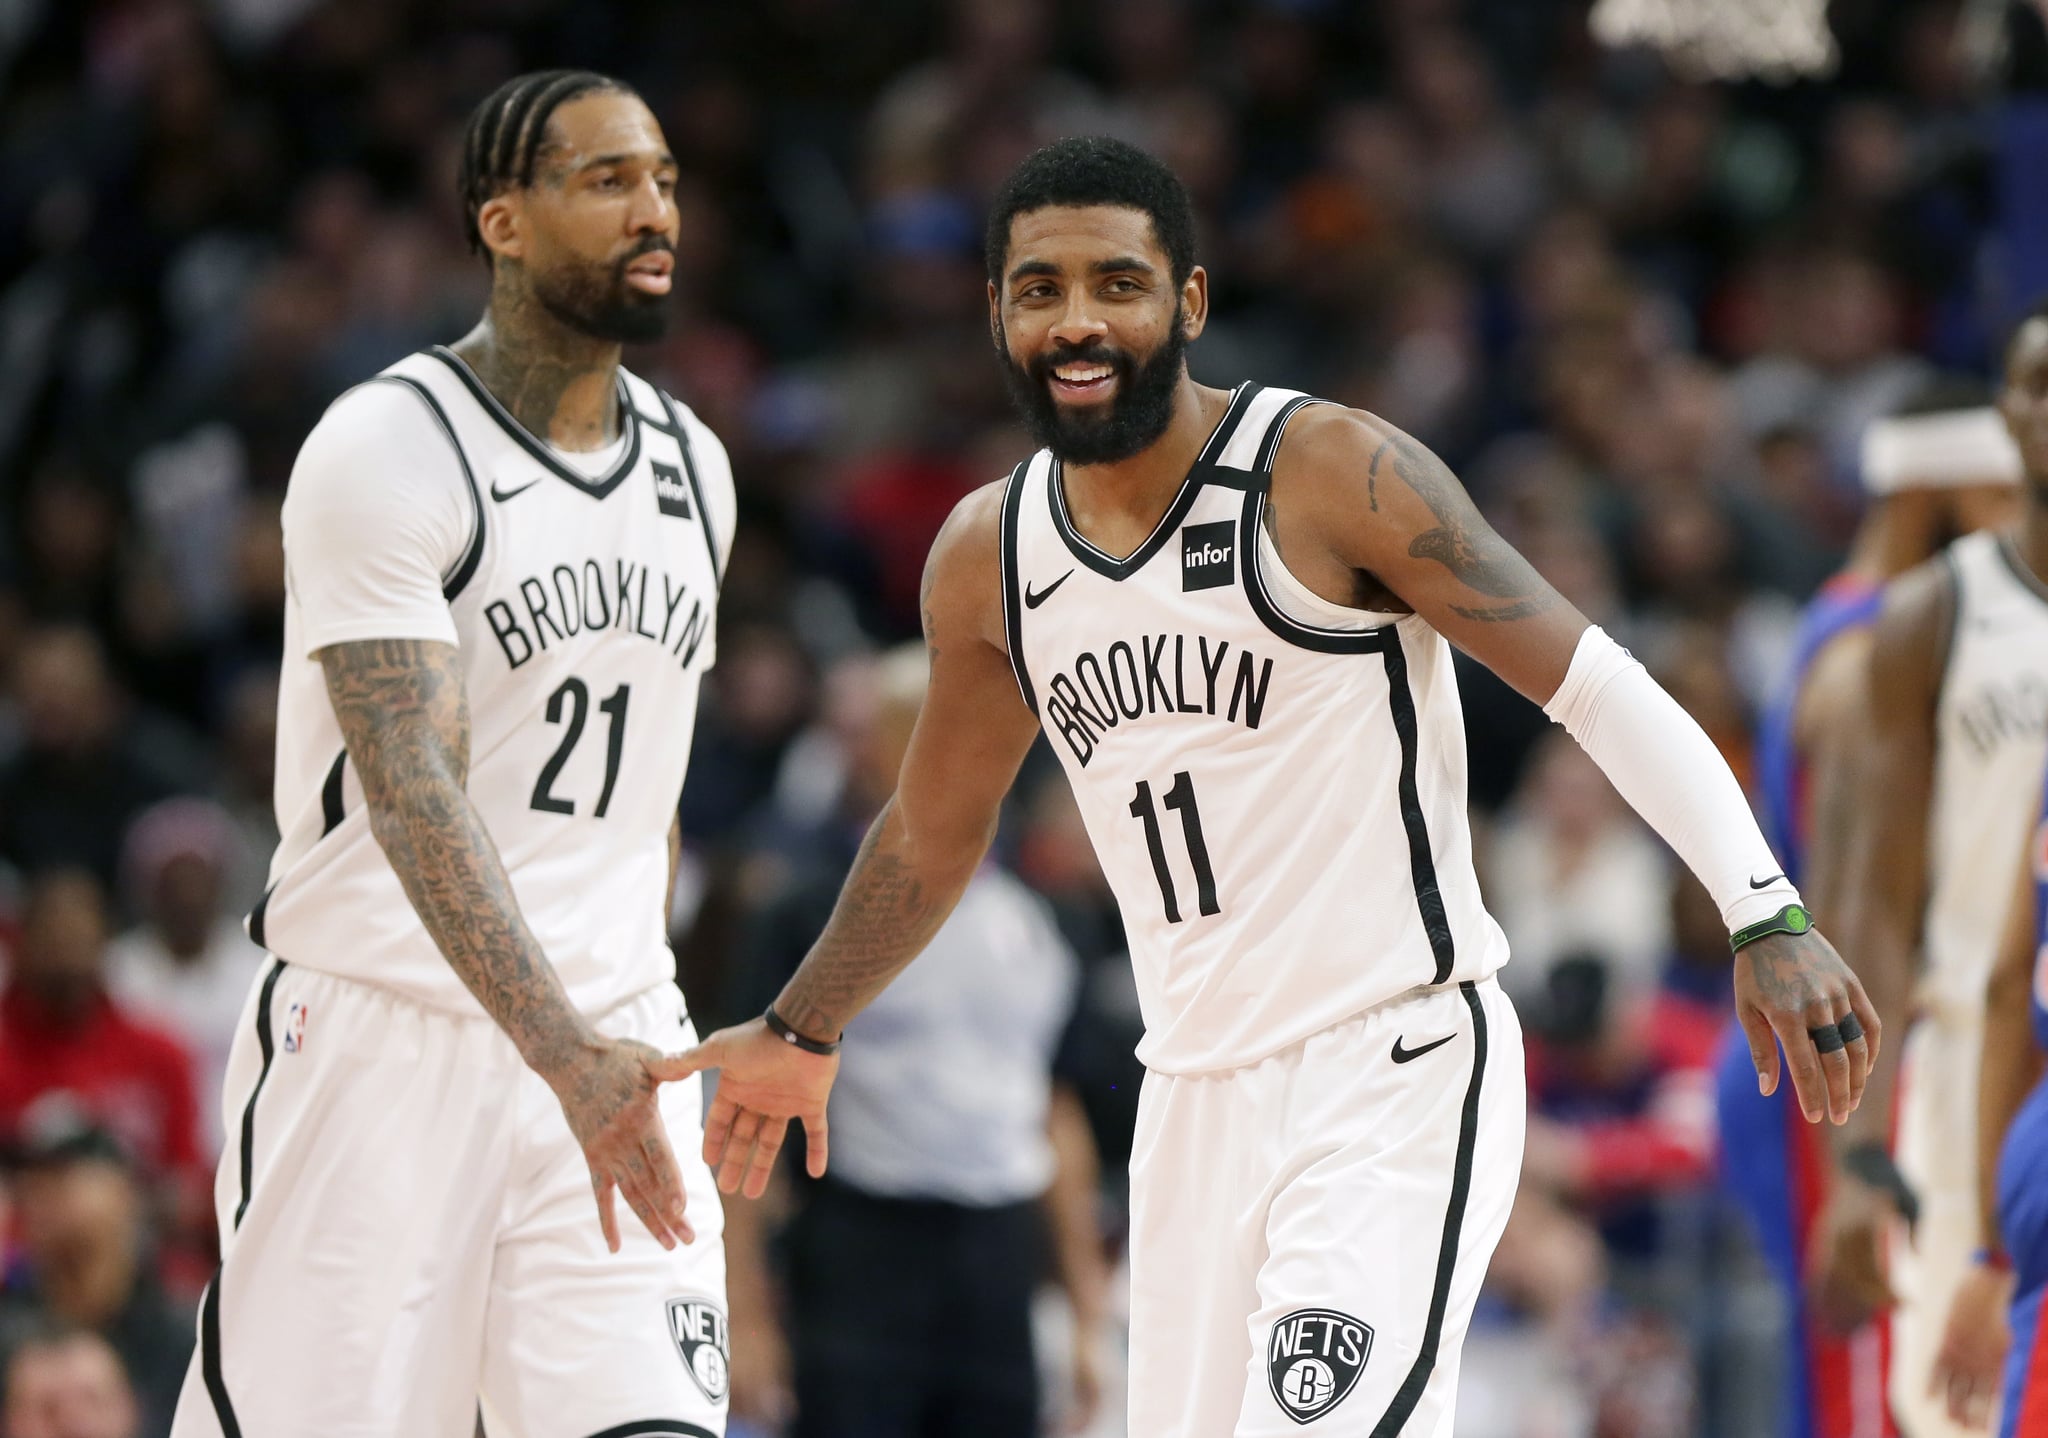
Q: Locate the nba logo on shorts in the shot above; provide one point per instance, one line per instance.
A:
(698, 1327)
(295, 1028)
(1313, 1360)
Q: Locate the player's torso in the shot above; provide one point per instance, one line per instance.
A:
(1991, 740)
(1279, 804)
(585, 614)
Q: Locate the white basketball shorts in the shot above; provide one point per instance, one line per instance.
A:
(409, 1233)
(1308, 1233)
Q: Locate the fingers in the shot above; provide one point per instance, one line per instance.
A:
(1763, 1048)
(732, 1167)
(1866, 1014)
(665, 1182)
(631, 1174)
(718, 1129)
(1833, 1058)
(1808, 1084)
(814, 1143)
(762, 1164)
(607, 1219)
(670, 1068)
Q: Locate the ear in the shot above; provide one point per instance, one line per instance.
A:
(995, 316)
(1194, 303)
(501, 222)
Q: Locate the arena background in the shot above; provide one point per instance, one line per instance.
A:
(1646, 318)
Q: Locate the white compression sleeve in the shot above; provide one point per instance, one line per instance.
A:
(1664, 765)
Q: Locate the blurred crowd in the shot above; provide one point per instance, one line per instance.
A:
(1647, 321)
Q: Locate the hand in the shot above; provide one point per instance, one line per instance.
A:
(763, 1084)
(761, 1392)
(607, 1092)
(1787, 984)
(1969, 1369)
(1086, 1398)
(1847, 1284)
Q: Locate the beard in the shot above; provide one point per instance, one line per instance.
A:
(1104, 434)
(595, 299)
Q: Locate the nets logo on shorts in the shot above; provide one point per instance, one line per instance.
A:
(699, 1329)
(1205, 555)
(1313, 1360)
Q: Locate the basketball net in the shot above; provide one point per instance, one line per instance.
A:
(1774, 40)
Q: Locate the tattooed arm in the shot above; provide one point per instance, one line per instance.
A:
(404, 715)
(1357, 503)
(919, 854)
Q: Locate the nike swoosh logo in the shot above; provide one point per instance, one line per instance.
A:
(1033, 600)
(1401, 1055)
(503, 494)
(1765, 883)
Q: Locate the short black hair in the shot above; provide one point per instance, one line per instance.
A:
(502, 141)
(1096, 170)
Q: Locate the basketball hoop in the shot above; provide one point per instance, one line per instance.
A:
(1774, 40)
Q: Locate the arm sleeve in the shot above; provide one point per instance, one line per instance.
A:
(1664, 765)
(377, 515)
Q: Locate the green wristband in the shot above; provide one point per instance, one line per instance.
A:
(1792, 919)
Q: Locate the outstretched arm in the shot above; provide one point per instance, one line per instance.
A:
(1354, 495)
(404, 715)
(970, 738)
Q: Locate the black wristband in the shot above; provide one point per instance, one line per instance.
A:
(795, 1040)
(1792, 919)
(1872, 1164)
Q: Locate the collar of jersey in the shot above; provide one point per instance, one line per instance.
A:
(597, 487)
(1203, 471)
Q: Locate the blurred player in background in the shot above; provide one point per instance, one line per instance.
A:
(1332, 1122)
(1935, 471)
(504, 561)
(1956, 711)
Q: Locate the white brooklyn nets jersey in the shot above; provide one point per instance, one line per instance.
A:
(583, 606)
(1275, 784)
(1991, 740)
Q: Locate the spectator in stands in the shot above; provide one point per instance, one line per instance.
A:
(63, 1382)
(188, 964)
(61, 1033)
(88, 1256)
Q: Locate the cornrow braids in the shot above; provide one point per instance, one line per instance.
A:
(502, 142)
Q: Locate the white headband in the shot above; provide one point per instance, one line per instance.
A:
(1944, 450)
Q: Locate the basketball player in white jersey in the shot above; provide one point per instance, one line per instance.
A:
(504, 560)
(1957, 705)
(1228, 613)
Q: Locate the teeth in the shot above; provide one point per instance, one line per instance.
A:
(1081, 374)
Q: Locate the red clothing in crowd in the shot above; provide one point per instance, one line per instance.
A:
(134, 1079)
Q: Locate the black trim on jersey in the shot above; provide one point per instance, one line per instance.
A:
(267, 1048)
(656, 1428)
(1013, 612)
(330, 796)
(599, 488)
(209, 1361)
(1199, 473)
(1412, 1387)
(2029, 581)
(458, 578)
(1251, 525)
(1429, 898)
(682, 438)
(256, 918)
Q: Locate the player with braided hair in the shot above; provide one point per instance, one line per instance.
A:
(504, 558)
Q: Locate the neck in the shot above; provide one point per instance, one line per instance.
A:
(556, 381)
(1142, 483)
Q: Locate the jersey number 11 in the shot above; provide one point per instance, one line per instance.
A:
(1181, 797)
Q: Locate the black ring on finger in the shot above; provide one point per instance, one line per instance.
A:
(1827, 1038)
(1850, 1028)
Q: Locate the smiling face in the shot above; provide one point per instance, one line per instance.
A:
(1093, 330)
(2024, 400)
(595, 233)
